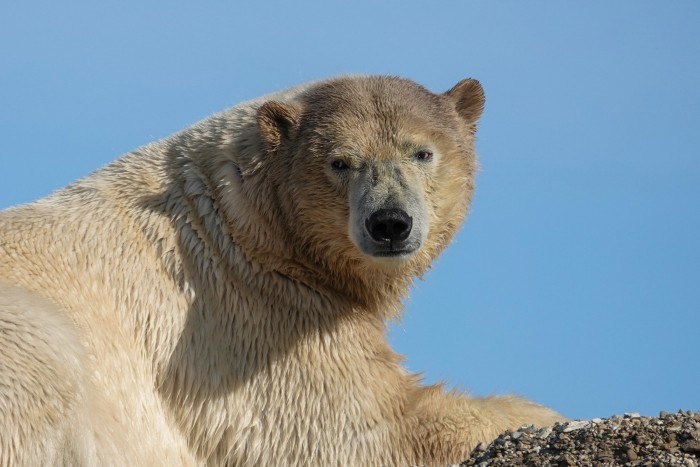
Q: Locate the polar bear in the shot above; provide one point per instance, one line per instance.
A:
(220, 297)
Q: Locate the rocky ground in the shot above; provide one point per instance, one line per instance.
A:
(671, 439)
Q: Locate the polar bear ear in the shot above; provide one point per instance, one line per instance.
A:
(468, 98)
(277, 122)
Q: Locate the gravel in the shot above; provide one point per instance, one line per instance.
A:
(671, 439)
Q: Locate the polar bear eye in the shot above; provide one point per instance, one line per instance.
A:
(424, 156)
(339, 165)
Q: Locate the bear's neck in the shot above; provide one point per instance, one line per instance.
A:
(246, 221)
(237, 346)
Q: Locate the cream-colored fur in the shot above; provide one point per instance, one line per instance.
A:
(213, 299)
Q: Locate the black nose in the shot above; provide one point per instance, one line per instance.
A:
(389, 225)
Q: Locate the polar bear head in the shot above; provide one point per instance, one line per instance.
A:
(376, 170)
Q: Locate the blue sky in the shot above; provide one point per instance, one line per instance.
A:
(576, 280)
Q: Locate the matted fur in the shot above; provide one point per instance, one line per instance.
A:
(213, 299)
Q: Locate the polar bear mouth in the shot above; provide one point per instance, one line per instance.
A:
(398, 253)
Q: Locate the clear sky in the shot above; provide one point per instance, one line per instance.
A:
(576, 280)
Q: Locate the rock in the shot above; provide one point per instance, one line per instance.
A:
(671, 439)
(692, 446)
(542, 433)
(527, 428)
(567, 459)
(573, 426)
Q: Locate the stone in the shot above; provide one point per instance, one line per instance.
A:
(542, 433)
(574, 425)
(691, 446)
(671, 440)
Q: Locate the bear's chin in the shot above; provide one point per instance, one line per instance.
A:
(393, 258)
(388, 255)
(393, 254)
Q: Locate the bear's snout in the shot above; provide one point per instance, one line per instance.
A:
(389, 225)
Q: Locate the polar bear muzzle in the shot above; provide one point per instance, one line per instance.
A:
(388, 215)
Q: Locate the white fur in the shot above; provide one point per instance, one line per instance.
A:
(156, 313)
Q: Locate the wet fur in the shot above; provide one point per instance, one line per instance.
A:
(202, 300)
